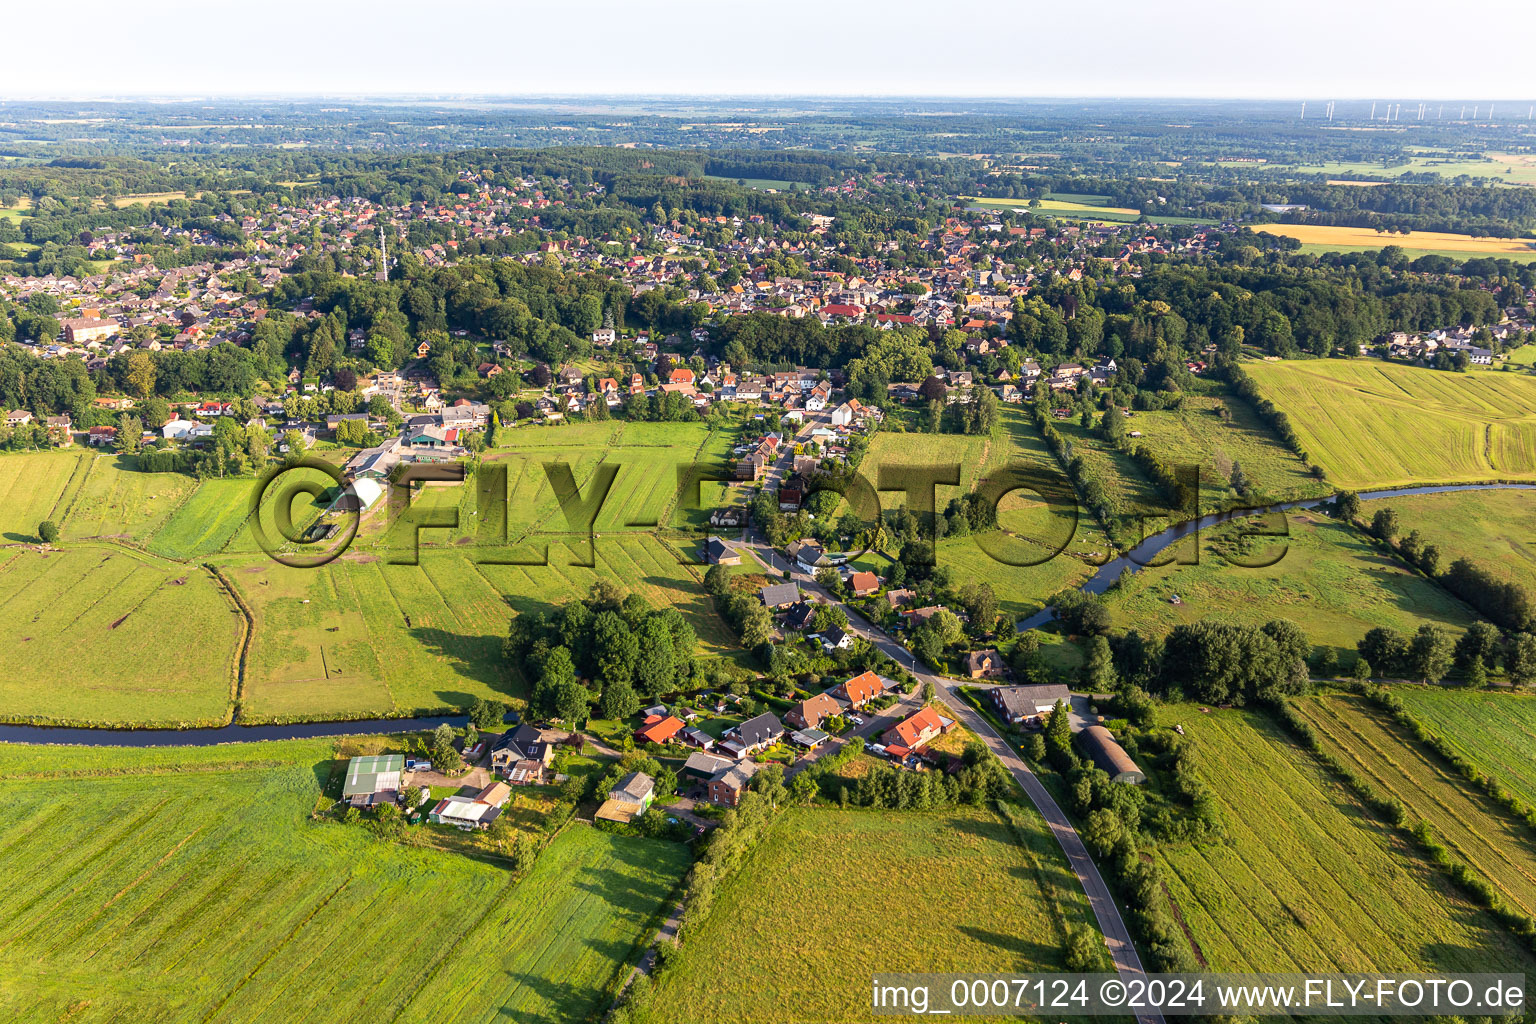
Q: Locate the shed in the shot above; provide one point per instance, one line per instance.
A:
(1100, 744)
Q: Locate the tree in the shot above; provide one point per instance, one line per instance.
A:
(619, 701)
(1384, 523)
(1520, 658)
(1102, 829)
(1099, 670)
(130, 435)
(1385, 649)
(48, 531)
(139, 373)
(1348, 505)
(487, 714)
(1430, 654)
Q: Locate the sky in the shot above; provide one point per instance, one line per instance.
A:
(1318, 49)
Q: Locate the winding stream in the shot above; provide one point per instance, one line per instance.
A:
(1098, 583)
(1138, 557)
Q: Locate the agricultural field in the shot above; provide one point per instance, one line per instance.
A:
(35, 486)
(104, 635)
(1513, 169)
(1314, 882)
(1494, 529)
(1371, 423)
(363, 636)
(1197, 435)
(191, 886)
(558, 948)
(1490, 839)
(206, 521)
(1321, 238)
(1090, 208)
(1330, 580)
(118, 501)
(979, 896)
(1495, 731)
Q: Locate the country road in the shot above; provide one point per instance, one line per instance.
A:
(1117, 936)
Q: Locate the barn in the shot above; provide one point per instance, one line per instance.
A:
(1100, 744)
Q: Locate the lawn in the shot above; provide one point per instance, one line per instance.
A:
(35, 486)
(190, 886)
(1494, 529)
(1312, 881)
(1371, 423)
(1496, 731)
(1490, 839)
(796, 934)
(1322, 238)
(104, 635)
(1329, 579)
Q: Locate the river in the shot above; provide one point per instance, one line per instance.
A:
(1098, 583)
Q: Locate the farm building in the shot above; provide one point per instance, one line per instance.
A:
(1021, 703)
(373, 779)
(1100, 744)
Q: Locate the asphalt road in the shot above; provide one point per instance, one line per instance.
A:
(1117, 936)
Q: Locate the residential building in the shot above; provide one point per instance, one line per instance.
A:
(1021, 703)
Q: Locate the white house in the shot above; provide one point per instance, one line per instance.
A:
(177, 429)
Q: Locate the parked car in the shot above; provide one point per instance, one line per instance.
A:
(413, 765)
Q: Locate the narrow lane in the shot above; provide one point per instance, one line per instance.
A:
(1117, 935)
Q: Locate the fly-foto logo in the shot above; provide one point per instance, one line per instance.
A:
(513, 523)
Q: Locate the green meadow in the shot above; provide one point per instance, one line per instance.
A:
(192, 886)
(1308, 879)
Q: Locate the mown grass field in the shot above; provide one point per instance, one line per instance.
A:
(1370, 423)
(560, 946)
(1028, 528)
(1496, 731)
(102, 634)
(1341, 238)
(797, 932)
(364, 636)
(35, 486)
(190, 886)
(1495, 529)
(1330, 580)
(206, 521)
(1309, 879)
(1197, 435)
(1491, 840)
(116, 500)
